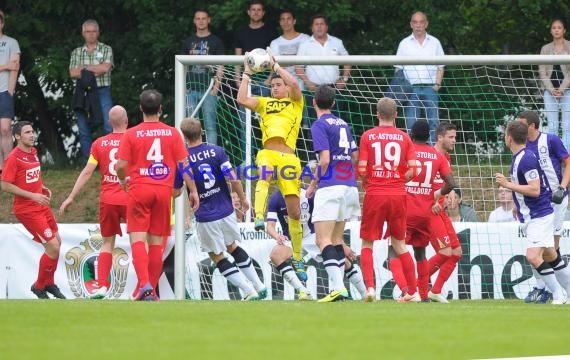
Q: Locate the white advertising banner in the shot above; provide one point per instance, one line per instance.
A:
(493, 264)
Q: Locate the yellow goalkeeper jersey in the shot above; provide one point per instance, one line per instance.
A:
(280, 118)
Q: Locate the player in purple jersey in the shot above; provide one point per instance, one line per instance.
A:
(336, 199)
(216, 222)
(532, 199)
(554, 161)
(277, 212)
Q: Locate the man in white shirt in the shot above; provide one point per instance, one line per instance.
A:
(288, 43)
(503, 213)
(322, 44)
(425, 79)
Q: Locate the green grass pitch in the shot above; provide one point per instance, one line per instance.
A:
(51, 329)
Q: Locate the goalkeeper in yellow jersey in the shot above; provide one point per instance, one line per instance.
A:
(281, 116)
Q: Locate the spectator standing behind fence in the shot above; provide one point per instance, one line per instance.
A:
(257, 34)
(555, 80)
(457, 210)
(322, 44)
(92, 59)
(9, 66)
(504, 213)
(203, 42)
(425, 80)
(288, 43)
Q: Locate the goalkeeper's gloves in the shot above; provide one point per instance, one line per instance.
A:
(558, 195)
(246, 69)
(272, 62)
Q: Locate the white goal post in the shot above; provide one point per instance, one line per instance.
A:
(477, 154)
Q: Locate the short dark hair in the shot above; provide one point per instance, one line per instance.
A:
(518, 132)
(275, 76)
(531, 118)
(444, 127)
(17, 127)
(150, 100)
(204, 10)
(256, 2)
(420, 131)
(319, 16)
(324, 97)
(287, 11)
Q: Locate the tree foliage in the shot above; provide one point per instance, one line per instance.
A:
(146, 34)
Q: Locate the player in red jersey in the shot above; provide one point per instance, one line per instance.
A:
(113, 200)
(387, 160)
(22, 177)
(422, 224)
(447, 254)
(148, 157)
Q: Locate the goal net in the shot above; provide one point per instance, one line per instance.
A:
(479, 94)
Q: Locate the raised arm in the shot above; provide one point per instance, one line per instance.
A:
(288, 78)
(243, 98)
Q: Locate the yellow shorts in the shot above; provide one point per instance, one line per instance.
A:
(285, 169)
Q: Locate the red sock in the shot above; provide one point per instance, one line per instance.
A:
(367, 265)
(104, 264)
(140, 261)
(46, 271)
(444, 273)
(423, 278)
(154, 263)
(52, 267)
(436, 261)
(409, 272)
(395, 265)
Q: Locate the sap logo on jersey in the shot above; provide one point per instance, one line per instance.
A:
(274, 107)
(32, 175)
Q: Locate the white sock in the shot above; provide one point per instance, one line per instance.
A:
(290, 276)
(549, 278)
(234, 276)
(562, 273)
(244, 263)
(355, 277)
(539, 282)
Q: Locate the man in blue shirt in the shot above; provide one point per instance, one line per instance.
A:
(216, 222)
(555, 162)
(534, 211)
(336, 199)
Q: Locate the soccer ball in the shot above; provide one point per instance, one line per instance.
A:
(258, 60)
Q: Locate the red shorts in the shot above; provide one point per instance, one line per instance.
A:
(41, 224)
(148, 209)
(377, 209)
(452, 239)
(110, 217)
(418, 231)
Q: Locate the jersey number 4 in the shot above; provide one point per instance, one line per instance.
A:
(154, 154)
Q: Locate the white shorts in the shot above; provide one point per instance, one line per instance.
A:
(336, 203)
(310, 246)
(216, 235)
(539, 232)
(559, 215)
